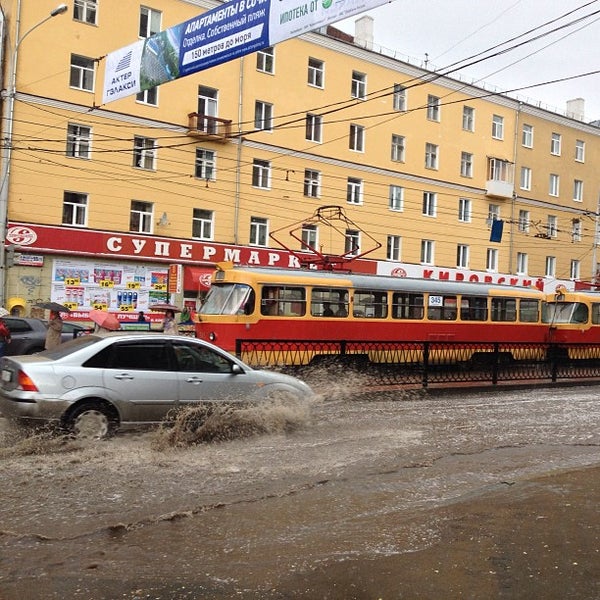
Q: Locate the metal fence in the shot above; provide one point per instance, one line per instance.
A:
(430, 362)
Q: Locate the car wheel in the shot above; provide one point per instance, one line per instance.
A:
(91, 420)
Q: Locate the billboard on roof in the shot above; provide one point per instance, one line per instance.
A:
(234, 29)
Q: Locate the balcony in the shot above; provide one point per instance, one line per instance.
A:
(206, 127)
(500, 179)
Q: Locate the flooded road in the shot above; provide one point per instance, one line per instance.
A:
(407, 495)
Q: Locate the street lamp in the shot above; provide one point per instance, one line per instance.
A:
(9, 95)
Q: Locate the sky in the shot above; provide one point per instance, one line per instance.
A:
(445, 32)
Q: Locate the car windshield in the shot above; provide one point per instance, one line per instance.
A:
(67, 348)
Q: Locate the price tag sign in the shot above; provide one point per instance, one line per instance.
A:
(133, 285)
(107, 283)
(99, 306)
(125, 308)
(71, 305)
(72, 281)
(161, 287)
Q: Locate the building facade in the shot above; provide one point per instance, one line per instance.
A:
(124, 204)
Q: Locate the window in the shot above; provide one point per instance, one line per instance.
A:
(576, 230)
(462, 256)
(265, 60)
(359, 85)
(433, 108)
(399, 98)
(283, 300)
(522, 260)
(466, 164)
(579, 150)
(554, 186)
(354, 190)
(352, 242)
(429, 204)
(407, 306)
(578, 190)
(394, 245)
(144, 153)
(498, 127)
(259, 230)
(208, 108)
(493, 213)
(397, 148)
(148, 96)
(523, 222)
(550, 266)
(575, 270)
(552, 226)
(431, 156)
(263, 116)
(525, 178)
(464, 210)
(205, 167)
(555, 143)
(261, 173)
(85, 11)
(149, 21)
(357, 138)
(312, 183)
(75, 207)
(491, 260)
(140, 218)
(468, 118)
(310, 237)
(314, 126)
(396, 198)
(79, 140)
(527, 136)
(329, 302)
(82, 73)
(202, 224)
(316, 72)
(427, 248)
(500, 170)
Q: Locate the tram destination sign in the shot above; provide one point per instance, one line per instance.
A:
(229, 31)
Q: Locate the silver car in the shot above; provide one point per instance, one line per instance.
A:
(94, 384)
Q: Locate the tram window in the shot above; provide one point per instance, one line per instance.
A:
(580, 314)
(228, 299)
(473, 308)
(441, 308)
(283, 301)
(529, 311)
(370, 304)
(595, 313)
(504, 309)
(329, 302)
(407, 306)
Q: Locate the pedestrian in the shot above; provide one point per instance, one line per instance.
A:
(169, 324)
(4, 336)
(142, 317)
(55, 325)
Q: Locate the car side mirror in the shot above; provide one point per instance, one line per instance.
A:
(236, 369)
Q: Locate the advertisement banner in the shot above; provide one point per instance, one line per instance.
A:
(234, 29)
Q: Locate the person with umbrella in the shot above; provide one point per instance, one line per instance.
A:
(55, 325)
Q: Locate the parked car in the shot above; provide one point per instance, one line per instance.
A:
(29, 335)
(96, 383)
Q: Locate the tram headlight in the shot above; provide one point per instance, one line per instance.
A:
(212, 336)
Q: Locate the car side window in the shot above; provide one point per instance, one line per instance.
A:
(17, 325)
(141, 356)
(195, 358)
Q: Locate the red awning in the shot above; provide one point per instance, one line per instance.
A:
(197, 278)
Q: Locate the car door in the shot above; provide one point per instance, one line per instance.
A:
(206, 376)
(139, 376)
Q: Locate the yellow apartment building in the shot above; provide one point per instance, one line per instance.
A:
(119, 205)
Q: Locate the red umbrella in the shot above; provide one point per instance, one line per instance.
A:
(163, 307)
(105, 319)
